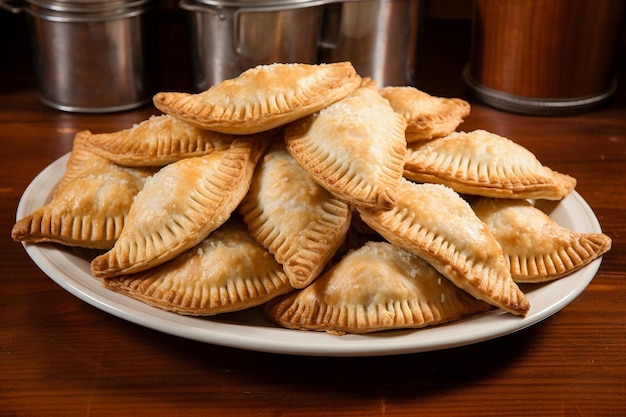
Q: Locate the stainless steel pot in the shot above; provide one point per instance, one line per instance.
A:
(91, 56)
(379, 37)
(228, 37)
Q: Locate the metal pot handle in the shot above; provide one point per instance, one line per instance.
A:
(6, 5)
(187, 5)
(239, 12)
(331, 29)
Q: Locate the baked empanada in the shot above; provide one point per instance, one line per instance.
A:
(89, 205)
(295, 218)
(179, 207)
(537, 248)
(427, 116)
(228, 271)
(355, 148)
(157, 141)
(485, 164)
(81, 161)
(376, 287)
(263, 97)
(436, 224)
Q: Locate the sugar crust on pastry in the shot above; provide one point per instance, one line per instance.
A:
(537, 248)
(375, 287)
(355, 148)
(226, 272)
(171, 243)
(179, 207)
(436, 224)
(299, 221)
(485, 164)
(427, 116)
(89, 205)
(157, 141)
(263, 97)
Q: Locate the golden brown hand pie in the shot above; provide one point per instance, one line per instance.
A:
(537, 248)
(88, 207)
(485, 164)
(355, 148)
(427, 117)
(263, 97)
(81, 160)
(436, 224)
(376, 287)
(228, 271)
(300, 222)
(179, 207)
(157, 141)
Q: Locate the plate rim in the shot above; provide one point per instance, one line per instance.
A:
(270, 338)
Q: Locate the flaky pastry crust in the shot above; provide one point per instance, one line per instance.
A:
(157, 141)
(428, 117)
(299, 221)
(228, 271)
(537, 248)
(89, 205)
(485, 164)
(435, 223)
(263, 97)
(375, 287)
(355, 148)
(179, 207)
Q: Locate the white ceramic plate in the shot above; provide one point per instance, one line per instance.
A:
(250, 330)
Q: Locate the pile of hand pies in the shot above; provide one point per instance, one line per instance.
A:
(331, 203)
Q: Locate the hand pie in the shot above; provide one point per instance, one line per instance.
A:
(295, 218)
(228, 271)
(82, 161)
(263, 97)
(436, 224)
(485, 164)
(376, 287)
(537, 248)
(89, 205)
(354, 148)
(158, 141)
(427, 117)
(179, 207)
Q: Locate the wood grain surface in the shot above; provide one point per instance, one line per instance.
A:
(62, 357)
(546, 49)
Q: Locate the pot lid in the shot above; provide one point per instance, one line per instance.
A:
(274, 4)
(86, 6)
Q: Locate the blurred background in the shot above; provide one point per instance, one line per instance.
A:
(415, 38)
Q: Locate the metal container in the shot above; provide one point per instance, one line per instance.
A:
(91, 56)
(379, 37)
(228, 37)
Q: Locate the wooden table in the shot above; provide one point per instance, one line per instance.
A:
(59, 356)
